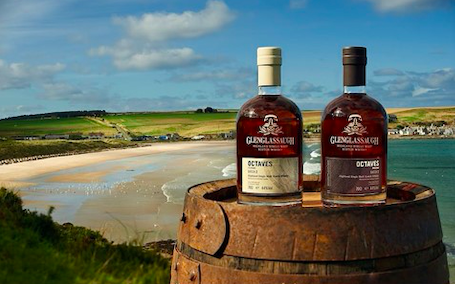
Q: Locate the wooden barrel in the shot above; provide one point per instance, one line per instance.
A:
(220, 241)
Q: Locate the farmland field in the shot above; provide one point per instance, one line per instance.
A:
(185, 123)
(31, 127)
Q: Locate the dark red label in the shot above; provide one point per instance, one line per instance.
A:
(353, 176)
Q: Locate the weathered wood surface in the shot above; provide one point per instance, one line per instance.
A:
(401, 238)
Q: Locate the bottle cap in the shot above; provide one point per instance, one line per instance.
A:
(354, 62)
(269, 66)
(269, 55)
(354, 55)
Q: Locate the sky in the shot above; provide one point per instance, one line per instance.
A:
(157, 55)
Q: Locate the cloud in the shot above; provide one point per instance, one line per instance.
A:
(417, 89)
(155, 27)
(62, 91)
(304, 87)
(297, 4)
(10, 111)
(125, 59)
(241, 90)
(164, 102)
(387, 72)
(21, 75)
(145, 45)
(214, 75)
(407, 6)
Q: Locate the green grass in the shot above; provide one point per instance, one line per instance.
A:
(10, 128)
(36, 250)
(185, 123)
(427, 115)
(10, 149)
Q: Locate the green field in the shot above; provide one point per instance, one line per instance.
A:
(185, 123)
(425, 115)
(31, 127)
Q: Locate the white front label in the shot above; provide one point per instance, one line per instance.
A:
(270, 175)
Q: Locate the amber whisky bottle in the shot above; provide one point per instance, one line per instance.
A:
(269, 140)
(354, 141)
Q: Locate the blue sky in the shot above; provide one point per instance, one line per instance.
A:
(153, 55)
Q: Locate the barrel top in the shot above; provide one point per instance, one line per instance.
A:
(398, 192)
(214, 223)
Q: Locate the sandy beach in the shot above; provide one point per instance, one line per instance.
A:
(13, 175)
(128, 195)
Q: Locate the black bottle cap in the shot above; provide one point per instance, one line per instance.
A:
(354, 55)
(354, 62)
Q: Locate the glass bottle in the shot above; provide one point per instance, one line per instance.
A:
(269, 140)
(354, 141)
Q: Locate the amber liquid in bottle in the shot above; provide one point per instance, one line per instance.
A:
(269, 145)
(354, 142)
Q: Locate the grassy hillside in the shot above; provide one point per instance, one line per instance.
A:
(36, 250)
(52, 126)
(185, 124)
(425, 115)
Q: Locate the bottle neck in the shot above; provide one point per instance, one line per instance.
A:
(269, 90)
(354, 90)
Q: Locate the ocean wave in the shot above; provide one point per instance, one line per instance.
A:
(174, 192)
(316, 153)
(230, 170)
(311, 168)
(450, 248)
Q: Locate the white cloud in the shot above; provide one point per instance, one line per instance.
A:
(125, 59)
(404, 6)
(21, 75)
(412, 88)
(62, 91)
(297, 4)
(165, 26)
(145, 45)
(421, 91)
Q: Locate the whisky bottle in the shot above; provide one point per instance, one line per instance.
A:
(354, 141)
(269, 140)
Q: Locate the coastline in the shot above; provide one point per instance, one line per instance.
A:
(312, 139)
(11, 175)
(131, 194)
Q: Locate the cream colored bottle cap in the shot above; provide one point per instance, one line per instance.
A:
(269, 66)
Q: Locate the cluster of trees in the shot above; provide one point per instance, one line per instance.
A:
(206, 110)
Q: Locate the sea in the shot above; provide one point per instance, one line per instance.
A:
(430, 162)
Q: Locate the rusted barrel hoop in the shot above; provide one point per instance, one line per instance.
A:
(314, 267)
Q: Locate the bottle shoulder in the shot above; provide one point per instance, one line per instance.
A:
(347, 104)
(262, 105)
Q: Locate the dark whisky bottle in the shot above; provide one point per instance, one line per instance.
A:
(269, 140)
(354, 141)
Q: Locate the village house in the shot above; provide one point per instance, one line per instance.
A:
(198, 137)
(227, 135)
(26, 137)
(56, 136)
(393, 131)
(173, 136)
(96, 135)
(406, 131)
